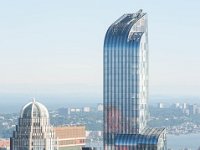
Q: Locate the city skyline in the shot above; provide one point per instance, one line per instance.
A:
(43, 50)
(58, 53)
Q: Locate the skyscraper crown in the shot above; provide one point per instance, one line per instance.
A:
(34, 110)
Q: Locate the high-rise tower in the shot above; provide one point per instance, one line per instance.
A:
(125, 77)
(34, 131)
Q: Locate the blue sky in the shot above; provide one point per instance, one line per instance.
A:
(55, 47)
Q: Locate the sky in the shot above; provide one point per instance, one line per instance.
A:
(50, 47)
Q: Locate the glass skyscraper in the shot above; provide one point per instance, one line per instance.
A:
(126, 82)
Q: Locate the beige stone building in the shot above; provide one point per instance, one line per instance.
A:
(70, 137)
(34, 131)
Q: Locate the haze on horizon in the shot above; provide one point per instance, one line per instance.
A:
(56, 47)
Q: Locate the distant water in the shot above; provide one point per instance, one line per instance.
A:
(14, 102)
(10, 103)
(191, 141)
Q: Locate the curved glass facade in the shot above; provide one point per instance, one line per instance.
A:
(125, 78)
(151, 139)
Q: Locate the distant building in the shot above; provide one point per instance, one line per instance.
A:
(160, 105)
(100, 107)
(75, 110)
(34, 131)
(70, 137)
(86, 109)
(94, 134)
(194, 109)
(190, 109)
(4, 144)
(186, 111)
(78, 110)
(72, 110)
(177, 105)
(68, 111)
(198, 110)
(184, 105)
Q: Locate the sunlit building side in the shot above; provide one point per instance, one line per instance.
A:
(70, 137)
(126, 85)
(34, 131)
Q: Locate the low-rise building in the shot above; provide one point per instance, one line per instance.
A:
(86, 109)
(70, 137)
(4, 144)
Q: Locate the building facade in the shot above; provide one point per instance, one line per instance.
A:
(149, 139)
(70, 137)
(4, 144)
(34, 131)
(100, 107)
(125, 79)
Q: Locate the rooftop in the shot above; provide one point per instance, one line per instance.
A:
(129, 18)
(148, 136)
(33, 110)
